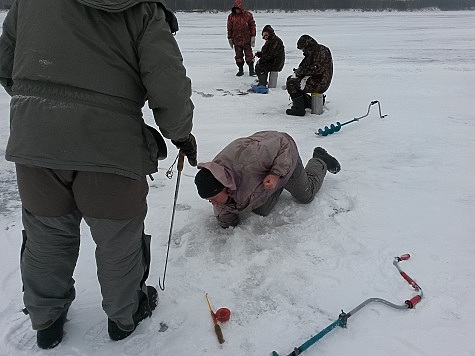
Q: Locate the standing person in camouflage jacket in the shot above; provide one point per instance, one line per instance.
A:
(314, 74)
(242, 36)
(79, 73)
(251, 172)
(271, 56)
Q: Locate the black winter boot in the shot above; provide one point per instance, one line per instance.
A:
(308, 101)
(52, 335)
(147, 303)
(251, 69)
(298, 107)
(333, 166)
(262, 79)
(241, 69)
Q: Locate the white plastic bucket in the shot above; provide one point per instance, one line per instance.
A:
(317, 103)
(273, 79)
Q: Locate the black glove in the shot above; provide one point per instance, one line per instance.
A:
(298, 72)
(189, 148)
(7, 84)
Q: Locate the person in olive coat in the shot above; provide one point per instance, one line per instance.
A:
(79, 72)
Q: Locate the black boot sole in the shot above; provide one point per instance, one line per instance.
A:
(51, 337)
(333, 166)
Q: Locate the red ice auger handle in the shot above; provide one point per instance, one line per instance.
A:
(414, 300)
(411, 303)
(404, 275)
(409, 280)
(404, 257)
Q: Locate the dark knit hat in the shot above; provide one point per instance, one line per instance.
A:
(208, 186)
(268, 29)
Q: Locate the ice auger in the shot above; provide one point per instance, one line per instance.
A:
(337, 127)
(343, 317)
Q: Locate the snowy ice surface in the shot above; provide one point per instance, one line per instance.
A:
(406, 186)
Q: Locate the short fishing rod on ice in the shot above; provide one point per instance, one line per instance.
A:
(221, 315)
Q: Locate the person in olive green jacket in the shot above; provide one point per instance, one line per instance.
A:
(79, 73)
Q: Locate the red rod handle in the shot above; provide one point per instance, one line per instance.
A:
(219, 333)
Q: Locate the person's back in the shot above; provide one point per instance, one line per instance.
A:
(317, 63)
(85, 74)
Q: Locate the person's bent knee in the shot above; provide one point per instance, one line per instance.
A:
(305, 200)
(261, 212)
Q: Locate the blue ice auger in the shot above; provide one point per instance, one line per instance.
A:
(343, 317)
(337, 127)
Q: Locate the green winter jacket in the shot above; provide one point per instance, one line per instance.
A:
(80, 71)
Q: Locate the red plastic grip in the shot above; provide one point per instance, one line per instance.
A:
(413, 301)
(405, 257)
(409, 280)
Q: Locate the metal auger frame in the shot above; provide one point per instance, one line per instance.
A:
(337, 127)
(343, 317)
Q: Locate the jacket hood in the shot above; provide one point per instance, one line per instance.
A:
(221, 174)
(306, 43)
(110, 5)
(238, 4)
(121, 5)
(269, 30)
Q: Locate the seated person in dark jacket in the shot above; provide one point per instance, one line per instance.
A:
(313, 75)
(271, 56)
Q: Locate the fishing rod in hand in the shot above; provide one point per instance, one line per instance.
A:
(169, 174)
(337, 126)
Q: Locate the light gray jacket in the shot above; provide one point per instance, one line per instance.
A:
(242, 166)
(80, 71)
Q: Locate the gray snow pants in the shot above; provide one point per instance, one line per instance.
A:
(54, 203)
(302, 185)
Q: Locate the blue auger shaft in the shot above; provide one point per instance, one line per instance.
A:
(314, 339)
(343, 318)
